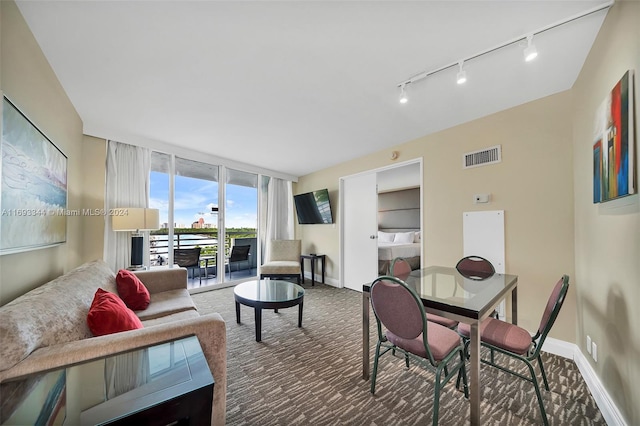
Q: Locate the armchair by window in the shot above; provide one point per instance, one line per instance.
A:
(284, 260)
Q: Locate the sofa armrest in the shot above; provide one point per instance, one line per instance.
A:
(210, 330)
(159, 280)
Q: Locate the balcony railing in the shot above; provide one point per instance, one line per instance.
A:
(207, 241)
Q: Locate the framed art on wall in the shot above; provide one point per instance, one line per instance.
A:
(614, 165)
(33, 178)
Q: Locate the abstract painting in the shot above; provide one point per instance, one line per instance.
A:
(614, 165)
(33, 202)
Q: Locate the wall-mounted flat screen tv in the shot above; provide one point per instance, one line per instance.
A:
(313, 207)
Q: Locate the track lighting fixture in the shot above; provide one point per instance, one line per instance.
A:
(530, 52)
(461, 78)
(403, 94)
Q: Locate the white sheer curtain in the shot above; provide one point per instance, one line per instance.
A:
(128, 169)
(279, 212)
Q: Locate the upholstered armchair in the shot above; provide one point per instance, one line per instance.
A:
(283, 261)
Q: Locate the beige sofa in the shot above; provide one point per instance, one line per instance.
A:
(46, 328)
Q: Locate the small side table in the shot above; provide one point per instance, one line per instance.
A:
(313, 257)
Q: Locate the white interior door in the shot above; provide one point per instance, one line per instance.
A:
(359, 230)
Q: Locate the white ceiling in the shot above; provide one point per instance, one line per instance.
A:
(299, 86)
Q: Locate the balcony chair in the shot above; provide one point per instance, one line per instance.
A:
(517, 343)
(401, 269)
(434, 347)
(238, 254)
(188, 258)
(284, 260)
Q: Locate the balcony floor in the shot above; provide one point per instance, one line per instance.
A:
(212, 279)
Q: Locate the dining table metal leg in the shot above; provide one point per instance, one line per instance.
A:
(474, 395)
(365, 335)
(514, 305)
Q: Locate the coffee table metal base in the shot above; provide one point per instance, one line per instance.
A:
(259, 305)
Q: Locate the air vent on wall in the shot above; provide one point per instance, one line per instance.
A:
(482, 158)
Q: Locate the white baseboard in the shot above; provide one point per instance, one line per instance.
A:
(327, 280)
(560, 348)
(608, 408)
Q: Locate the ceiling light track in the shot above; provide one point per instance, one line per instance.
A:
(528, 37)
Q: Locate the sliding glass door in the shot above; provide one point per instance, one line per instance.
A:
(241, 223)
(197, 215)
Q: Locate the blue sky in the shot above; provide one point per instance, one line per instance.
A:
(195, 197)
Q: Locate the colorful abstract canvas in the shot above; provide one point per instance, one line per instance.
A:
(614, 166)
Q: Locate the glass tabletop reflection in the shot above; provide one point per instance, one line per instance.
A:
(269, 290)
(446, 286)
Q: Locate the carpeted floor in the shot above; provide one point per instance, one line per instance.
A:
(312, 375)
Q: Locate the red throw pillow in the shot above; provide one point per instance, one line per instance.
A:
(108, 314)
(131, 290)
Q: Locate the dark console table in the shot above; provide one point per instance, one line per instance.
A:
(163, 384)
(313, 258)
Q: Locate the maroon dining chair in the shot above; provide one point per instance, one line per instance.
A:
(516, 342)
(400, 268)
(475, 267)
(399, 309)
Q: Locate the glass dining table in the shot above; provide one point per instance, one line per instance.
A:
(446, 292)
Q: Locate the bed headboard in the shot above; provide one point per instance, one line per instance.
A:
(399, 211)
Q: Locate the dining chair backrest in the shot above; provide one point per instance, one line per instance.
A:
(552, 309)
(400, 268)
(187, 257)
(399, 309)
(475, 267)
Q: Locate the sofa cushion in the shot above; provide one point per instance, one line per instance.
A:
(280, 267)
(108, 314)
(171, 318)
(55, 312)
(131, 290)
(167, 303)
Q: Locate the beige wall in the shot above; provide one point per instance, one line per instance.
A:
(27, 79)
(94, 155)
(608, 235)
(533, 185)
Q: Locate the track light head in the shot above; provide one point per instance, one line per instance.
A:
(461, 77)
(403, 94)
(530, 52)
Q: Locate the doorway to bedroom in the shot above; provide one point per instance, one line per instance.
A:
(381, 219)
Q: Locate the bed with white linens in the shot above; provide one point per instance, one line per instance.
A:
(405, 244)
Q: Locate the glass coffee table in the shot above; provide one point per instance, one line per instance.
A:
(268, 294)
